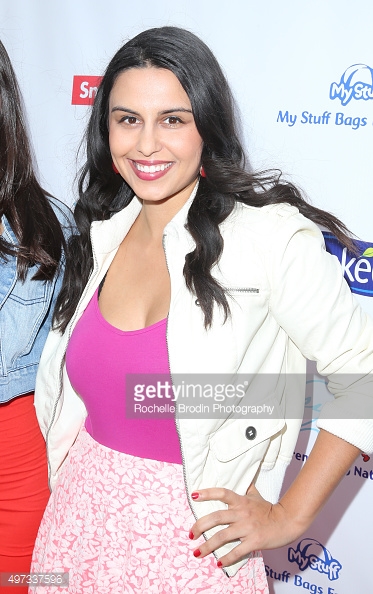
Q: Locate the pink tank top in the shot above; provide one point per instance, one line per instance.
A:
(98, 358)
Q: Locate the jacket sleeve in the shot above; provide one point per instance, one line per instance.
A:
(313, 304)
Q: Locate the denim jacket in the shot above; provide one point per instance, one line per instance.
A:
(26, 310)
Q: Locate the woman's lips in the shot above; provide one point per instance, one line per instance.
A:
(150, 170)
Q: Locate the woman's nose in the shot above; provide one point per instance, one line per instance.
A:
(149, 140)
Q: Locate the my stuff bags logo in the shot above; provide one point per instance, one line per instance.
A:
(358, 271)
(85, 89)
(310, 553)
(356, 83)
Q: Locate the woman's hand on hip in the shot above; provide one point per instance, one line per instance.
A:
(260, 525)
(248, 518)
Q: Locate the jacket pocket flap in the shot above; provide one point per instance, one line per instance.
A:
(240, 435)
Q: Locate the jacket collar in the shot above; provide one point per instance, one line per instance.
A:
(8, 234)
(107, 235)
(8, 268)
(177, 224)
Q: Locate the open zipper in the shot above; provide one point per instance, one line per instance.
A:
(177, 422)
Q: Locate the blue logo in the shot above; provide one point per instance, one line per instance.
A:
(311, 553)
(356, 83)
(358, 271)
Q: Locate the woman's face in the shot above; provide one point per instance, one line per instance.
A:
(153, 138)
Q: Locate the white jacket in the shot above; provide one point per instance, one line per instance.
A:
(288, 302)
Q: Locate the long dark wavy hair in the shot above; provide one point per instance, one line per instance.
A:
(103, 193)
(22, 200)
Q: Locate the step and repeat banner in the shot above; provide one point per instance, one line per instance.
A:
(302, 77)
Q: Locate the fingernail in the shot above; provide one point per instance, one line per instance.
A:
(191, 535)
(197, 553)
(219, 564)
(195, 495)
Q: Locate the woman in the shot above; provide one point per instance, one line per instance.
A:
(187, 264)
(31, 243)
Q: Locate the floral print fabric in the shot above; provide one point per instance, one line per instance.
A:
(119, 525)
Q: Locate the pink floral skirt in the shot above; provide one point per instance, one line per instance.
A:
(119, 524)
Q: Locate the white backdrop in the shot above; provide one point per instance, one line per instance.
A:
(281, 59)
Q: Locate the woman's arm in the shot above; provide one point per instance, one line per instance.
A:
(259, 524)
(312, 304)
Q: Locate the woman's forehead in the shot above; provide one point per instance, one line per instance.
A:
(155, 88)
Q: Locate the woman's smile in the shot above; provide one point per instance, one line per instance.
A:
(150, 170)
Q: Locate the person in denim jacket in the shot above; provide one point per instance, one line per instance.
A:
(33, 230)
(26, 310)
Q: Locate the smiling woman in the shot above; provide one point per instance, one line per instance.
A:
(188, 264)
(153, 136)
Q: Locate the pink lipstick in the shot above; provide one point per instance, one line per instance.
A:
(150, 170)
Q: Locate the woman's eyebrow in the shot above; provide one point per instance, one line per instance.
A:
(182, 109)
(126, 109)
(163, 112)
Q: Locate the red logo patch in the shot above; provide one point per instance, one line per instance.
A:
(85, 89)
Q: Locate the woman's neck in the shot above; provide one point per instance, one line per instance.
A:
(154, 216)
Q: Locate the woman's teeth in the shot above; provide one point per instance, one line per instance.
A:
(151, 168)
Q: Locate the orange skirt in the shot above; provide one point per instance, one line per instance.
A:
(24, 490)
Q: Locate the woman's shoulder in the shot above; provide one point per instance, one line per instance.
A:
(264, 234)
(282, 219)
(267, 214)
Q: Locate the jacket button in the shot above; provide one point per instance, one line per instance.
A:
(250, 433)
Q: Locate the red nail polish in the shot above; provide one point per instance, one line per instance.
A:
(197, 553)
(191, 535)
(219, 564)
(195, 495)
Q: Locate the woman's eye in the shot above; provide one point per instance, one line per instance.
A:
(129, 120)
(173, 120)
